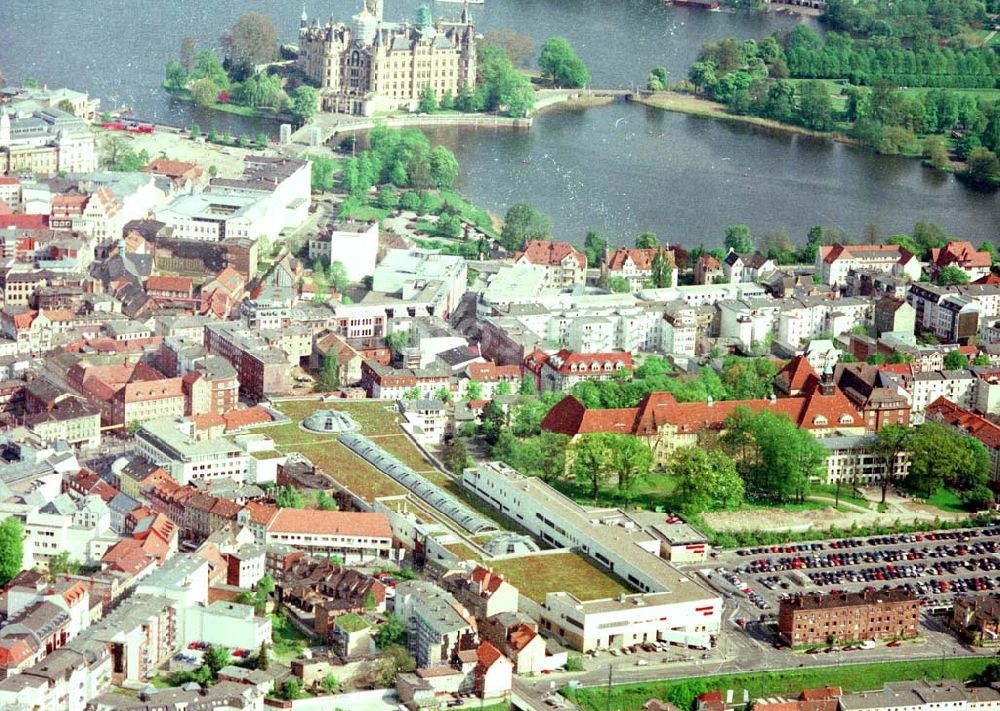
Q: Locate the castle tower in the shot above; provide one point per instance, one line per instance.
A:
(374, 7)
(304, 19)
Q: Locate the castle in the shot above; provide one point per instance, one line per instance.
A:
(374, 65)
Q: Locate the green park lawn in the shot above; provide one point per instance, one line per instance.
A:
(852, 678)
(537, 575)
(947, 500)
(287, 640)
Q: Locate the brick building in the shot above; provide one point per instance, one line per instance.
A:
(849, 617)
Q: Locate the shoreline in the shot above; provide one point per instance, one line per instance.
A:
(704, 108)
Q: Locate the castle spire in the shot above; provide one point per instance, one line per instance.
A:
(305, 18)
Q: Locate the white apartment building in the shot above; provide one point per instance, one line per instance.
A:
(171, 444)
(353, 244)
(958, 386)
(833, 262)
(355, 537)
(82, 529)
(852, 460)
(945, 695)
(671, 606)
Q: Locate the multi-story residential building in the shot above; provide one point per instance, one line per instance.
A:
(954, 314)
(835, 261)
(877, 392)
(482, 592)
(670, 606)
(957, 386)
(708, 270)
(841, 618)
(64, 681)
(964, 421)
(739, 268)
(355, 537)
(855, 460)
(353, 244)
(424, 281)
(262, 369)
(438, 626)
(371, 65)
(977, 618)
(564, 265)
(489, 375)
(560, 371)
(69, 419)
(894, 315)
(635, 265)
(385, 383)
(961, 255)
(679, 330)
(127, 391)
(171, 443)
(318, 591)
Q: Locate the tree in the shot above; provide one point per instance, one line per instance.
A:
(204, 92)
(951, 275)
(60, 563)
(982, 166)
(305, 104)
(444, 167)
(662, 269)
(265, 586)
(409, 200)
(815, 105)
(288, 497)
(594, 247)
(397, 341)
(208, 66)
(991, 249)
(391, 632)
(890, 441)
(263, 659)
(953, 360)
(590, 461)
(519, 48)
(322, 173)
(560, 63)
(702, 75)
(330, 684)
(523, 223)
(706, 480)
(216, 658)
(252, 40)
(936, 152)
(739, 239)
(455, 457)
(630, 459)
(391, 660)
(187, 54)
(527, 386)
(443, 394)
(133, 427)
(176, 77)
(619, 285)
(647, 240)
(658, 79)
(338, 276)
(325, 502)
(939, 455)
(387, 197)
(428, 100)
(291, 689)
(504, 388)
(195, 131)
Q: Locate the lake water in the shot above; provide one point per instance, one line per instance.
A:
(621, 169)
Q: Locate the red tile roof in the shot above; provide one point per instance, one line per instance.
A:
(854, 251)
(173, 168)
(811, 410)
(584, 362)
(641, 258)
(948, 413)
(796, 374)
(521, 637)
(169, 283)
(238, 419)
(491, 372)
(328, 523)
(488, 655)
(24, 222)
(546, 253)
(961, 254)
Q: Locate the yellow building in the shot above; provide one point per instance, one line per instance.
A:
(373, 65)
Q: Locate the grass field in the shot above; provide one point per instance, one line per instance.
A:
(852, 678)
(984, 94)
(287, 641)
(378, 420)
(537, 575)
(947, 500)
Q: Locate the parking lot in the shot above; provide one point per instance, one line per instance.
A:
(936, 565)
